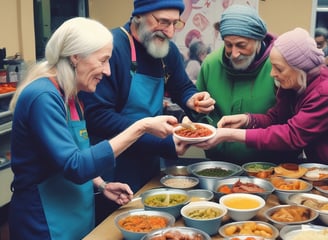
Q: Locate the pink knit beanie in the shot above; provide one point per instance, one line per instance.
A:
(299, 49)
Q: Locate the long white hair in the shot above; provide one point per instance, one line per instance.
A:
(77, 36)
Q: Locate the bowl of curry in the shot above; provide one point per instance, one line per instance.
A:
(199, 132)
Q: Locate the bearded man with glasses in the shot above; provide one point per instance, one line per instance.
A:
(144, 64)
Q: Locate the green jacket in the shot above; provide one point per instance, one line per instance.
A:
(238, 92)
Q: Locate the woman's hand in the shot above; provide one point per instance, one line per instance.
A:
(118, 192)
(233, 121)
(160, 126)
(201, 102)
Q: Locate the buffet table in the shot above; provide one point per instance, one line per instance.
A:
(107, 230)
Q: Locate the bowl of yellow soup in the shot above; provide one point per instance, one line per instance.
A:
(168, 200)
(242, 206)
(204, 215)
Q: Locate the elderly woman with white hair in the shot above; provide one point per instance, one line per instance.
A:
(52, 161)
(299, 120)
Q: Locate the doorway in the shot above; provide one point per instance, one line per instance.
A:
(50, 14)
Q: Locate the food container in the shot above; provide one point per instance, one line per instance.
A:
(242, 206)
(307, 231)
(165, 199)
(290, 215)
(202, 132)
(178, 232)
(176, 171)
(216, 170)
(249, 228)
(248, 185)
(315, 201)
(180, 182)
(143, 222)
(204, 215)
(259, 169)
(284, 187)
(200, 195)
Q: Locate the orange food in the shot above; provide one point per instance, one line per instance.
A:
(142, 223)
(225, 189)
(282, 184)
(200, 131)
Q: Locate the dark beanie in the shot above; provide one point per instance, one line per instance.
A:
(145, 6)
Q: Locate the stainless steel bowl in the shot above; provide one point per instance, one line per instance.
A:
(200, 195)
(165, 193)
(208, 182)
(176, 171)
(180, 182)
(279, 224)
(266, 185)
(258, 228)
(300, 199)
(259, 169)
(131, 235)
(284, 194)
(187, 231)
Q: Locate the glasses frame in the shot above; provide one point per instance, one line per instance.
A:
(165, 23)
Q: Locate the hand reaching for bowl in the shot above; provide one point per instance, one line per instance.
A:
(233, 121)
(120, 193)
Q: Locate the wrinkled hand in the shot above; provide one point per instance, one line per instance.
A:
(160, 126)
(201, 102)
(118, 192)
(233, 121)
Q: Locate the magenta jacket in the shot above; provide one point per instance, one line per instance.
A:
(297, 121)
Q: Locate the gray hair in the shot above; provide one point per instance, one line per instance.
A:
(76, 36)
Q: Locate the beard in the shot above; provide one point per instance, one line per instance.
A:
(156, 43)
(246, 61)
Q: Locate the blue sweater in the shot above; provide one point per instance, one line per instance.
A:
(41, 147)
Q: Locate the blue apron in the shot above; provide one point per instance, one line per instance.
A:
(145, 100)
(60, 196)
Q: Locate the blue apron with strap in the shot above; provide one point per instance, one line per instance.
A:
(145, 100)
(69, 207)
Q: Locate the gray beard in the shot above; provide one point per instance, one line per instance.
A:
(148, 40)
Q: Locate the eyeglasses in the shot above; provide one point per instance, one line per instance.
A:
(165, 23)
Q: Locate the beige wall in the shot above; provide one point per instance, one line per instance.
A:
(17, 27)
(284, 15)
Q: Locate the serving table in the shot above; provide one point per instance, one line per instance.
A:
(107, 230)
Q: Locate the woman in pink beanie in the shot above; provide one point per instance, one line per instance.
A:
(299, 120)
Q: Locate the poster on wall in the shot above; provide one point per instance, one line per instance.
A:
(200, 17)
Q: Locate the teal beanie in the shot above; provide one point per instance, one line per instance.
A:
(242, 20)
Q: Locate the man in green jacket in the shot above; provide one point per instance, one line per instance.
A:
(237, 76)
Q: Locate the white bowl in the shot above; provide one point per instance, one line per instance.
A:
(191, 139)
(242, 212)
(308, 231)
(204, 215)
